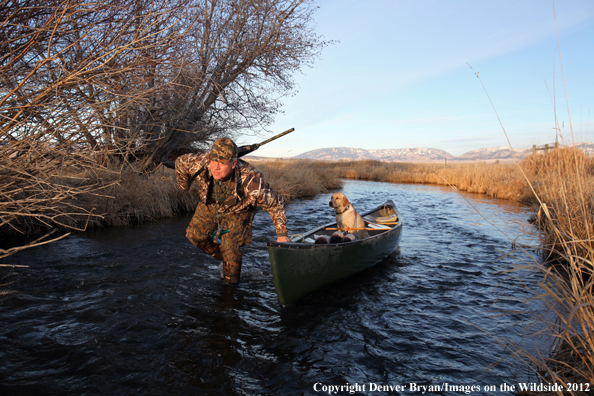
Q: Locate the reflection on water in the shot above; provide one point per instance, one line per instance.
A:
(140, 310)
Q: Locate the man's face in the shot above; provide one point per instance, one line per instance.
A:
(221, 169)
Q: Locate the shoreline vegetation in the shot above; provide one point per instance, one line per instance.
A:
(502, 181)
(124, 197)
(559, 184)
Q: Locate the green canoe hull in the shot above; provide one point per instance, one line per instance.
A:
(299, 269)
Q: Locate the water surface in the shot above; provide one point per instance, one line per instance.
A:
(140, 310)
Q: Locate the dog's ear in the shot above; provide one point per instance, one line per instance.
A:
(345, 200)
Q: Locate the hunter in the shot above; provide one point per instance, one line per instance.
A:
(230, 189)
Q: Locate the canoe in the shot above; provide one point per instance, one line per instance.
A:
(301, 267)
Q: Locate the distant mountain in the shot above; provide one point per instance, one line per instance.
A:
(493, 153)
(356, 154)
(422, 154)
(329, 154)
(411, 155)
(504, 153)
(587, 147)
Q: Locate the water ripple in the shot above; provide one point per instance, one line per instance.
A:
(141, 310)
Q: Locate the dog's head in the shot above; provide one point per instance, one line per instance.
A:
(339, 202)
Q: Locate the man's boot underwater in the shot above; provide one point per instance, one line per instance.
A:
(231, 272)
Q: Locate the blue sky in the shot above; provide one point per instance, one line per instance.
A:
(399, 76)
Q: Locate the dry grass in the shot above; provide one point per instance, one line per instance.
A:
(503, 181)
(298, 178)
(126, 197)
(563, 181)
(129, 198)
(119, 197)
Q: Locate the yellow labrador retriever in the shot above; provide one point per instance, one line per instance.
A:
(346, 215)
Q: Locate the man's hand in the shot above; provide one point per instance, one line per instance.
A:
(281, 239)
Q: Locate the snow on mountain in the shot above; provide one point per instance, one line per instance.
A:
(423, 154)
(410, 155)
(587, 147)
(354, 154)
(336, 153)
(493, 153)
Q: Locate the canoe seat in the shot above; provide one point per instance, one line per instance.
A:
(378, 226)
(381, 219)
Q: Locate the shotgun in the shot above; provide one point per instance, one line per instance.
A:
(241, 150)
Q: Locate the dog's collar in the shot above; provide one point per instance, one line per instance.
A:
(345, 209)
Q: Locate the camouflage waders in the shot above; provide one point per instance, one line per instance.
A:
(205, 222)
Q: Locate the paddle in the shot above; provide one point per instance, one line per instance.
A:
(358, 229)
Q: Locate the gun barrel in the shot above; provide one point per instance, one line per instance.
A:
(276, 137)
(243, 150)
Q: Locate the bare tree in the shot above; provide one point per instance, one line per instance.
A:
(238, 59)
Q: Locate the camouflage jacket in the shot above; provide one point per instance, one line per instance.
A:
(251, 191)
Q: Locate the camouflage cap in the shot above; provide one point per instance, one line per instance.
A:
(223, 149)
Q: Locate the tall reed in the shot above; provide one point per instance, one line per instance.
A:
(563, 182)
(139, 198)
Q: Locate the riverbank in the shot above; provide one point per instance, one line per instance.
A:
(122, 197)
(128, 198)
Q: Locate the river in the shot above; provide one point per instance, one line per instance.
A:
(140, 310)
